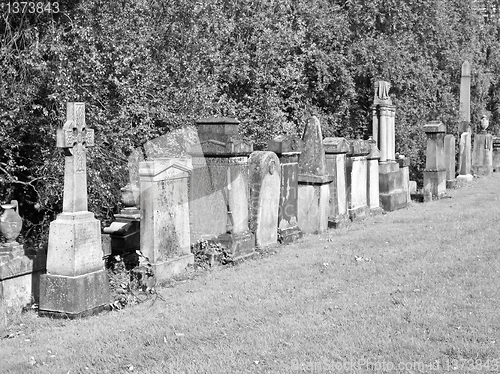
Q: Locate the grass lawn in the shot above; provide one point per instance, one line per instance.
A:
(412, 291)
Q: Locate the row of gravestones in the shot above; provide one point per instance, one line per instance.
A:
(441, 173)
(221, 191)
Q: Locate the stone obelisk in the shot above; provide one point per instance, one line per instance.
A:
(464, 128)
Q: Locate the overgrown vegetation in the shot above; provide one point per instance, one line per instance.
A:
(146, 68)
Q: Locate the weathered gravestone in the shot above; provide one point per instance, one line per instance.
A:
(372, 185)
(392, 193)
(219, 191)
(314, 189)
(264, 196)
(335, 158)
(435, 171)
(165, 215)
(496, 154)
(357, 173)
(482, 157)
(404, 170)
(449, 157)
(288, 149)
(76, 282)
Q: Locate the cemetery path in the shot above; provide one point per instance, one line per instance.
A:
(411, 291)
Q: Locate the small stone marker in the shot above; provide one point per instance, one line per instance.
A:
(264, 196)
(314, 189)
(435, 172)
(288, 149)
(335, 157)
(165, 215)
(76, 283)
(404, 170)
(449, 156)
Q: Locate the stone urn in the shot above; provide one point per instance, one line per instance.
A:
(484, 123)
(130, 195)
(10, 222)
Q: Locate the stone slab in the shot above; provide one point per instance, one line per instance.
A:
(313, 207)
(393, 201)
(289, 235)
(435, 182)
(239, 245)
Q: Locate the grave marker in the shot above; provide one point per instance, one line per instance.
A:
(435, 171)
(76, 283)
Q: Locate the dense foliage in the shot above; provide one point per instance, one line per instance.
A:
(144, 68)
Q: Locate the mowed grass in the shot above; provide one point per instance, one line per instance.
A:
(412, 291)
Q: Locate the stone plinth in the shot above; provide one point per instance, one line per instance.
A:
(372, 185)
(449, 159)
(288, 149)
(335, 158)
(264, 196)
(357, 181)
(482, 156)
(435, 171)
(391, 191)
(383, 123)
(314, 189)
(76, 282)
(219, 190)
(164, 237)
(496, 154)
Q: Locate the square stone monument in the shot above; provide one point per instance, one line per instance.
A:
(314, 181)
(372, 179)
(219, 186)
(288, 149)
(496, 154)
(335, 158)
(76, 283)
(435, 171)
(482, 157)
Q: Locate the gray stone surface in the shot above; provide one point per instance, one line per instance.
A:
(335, 155)
(383, 121)
(465, 157)
(464, 125)
(449, 155)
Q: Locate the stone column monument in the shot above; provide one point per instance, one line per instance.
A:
(392, 194)
(76, 283)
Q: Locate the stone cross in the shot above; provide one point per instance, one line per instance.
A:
(465, 99)
(73, 138)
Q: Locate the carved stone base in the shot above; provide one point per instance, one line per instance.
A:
(358, 214)
(72, 297)
(465, 178)
(339, 221)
